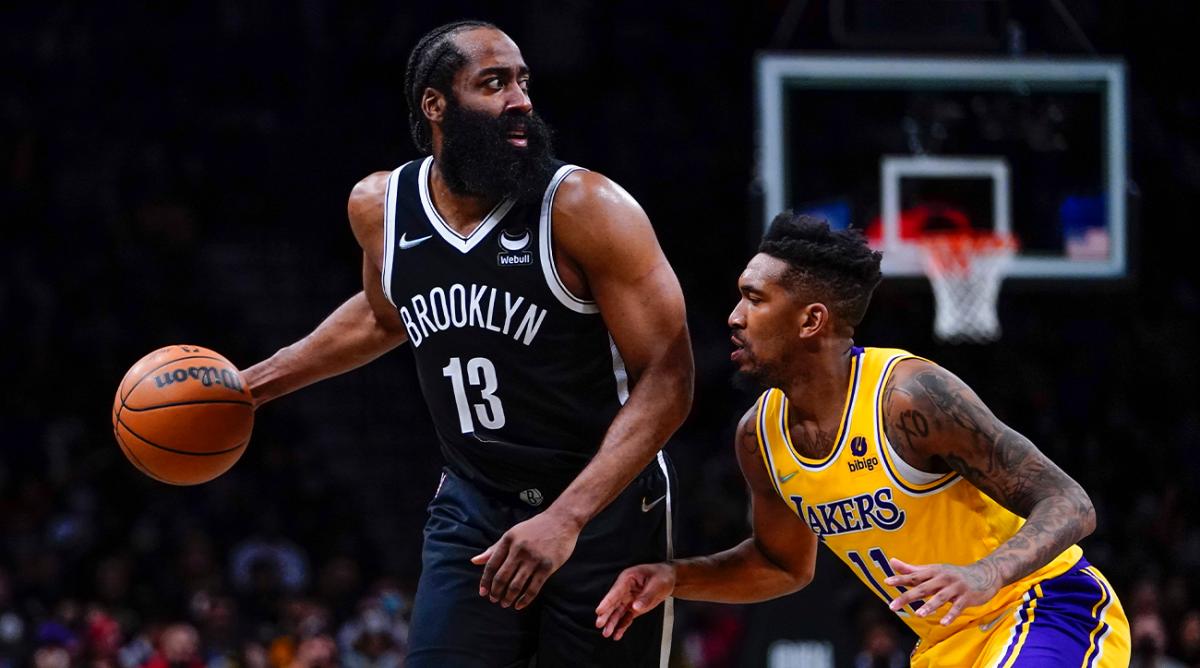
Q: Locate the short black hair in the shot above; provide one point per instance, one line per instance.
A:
(432, 64)
(836, 267)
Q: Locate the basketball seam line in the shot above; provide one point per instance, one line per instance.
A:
(138, 462)
(181, 452)
(171, 361)
(185, 403)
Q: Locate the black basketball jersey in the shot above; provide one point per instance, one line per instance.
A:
(521, 377)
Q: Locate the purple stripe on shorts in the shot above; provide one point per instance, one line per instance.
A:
(1061, 631)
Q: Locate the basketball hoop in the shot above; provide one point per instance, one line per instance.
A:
(965, 270)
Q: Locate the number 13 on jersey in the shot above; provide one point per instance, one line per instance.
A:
(480, 373)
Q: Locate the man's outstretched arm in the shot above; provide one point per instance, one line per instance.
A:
(777, 559)
(360, 330)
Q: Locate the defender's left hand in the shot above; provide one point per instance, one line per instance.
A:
(517, 565)
(939, 584)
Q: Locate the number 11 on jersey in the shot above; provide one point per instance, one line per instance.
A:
(481, 373)
(881, 561)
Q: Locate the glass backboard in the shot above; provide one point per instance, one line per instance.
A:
(902, 147)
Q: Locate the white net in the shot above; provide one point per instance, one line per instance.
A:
(965, 271)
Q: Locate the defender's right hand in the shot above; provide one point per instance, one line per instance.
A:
(638, 590)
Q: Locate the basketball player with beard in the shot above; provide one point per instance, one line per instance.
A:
(551, 346)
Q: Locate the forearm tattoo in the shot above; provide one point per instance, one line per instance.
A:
(936, 416)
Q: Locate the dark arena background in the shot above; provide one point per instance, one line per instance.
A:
(178, 173)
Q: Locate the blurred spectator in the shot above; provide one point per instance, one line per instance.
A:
(376, 638)
(217, 620)
(101, 639)
(12, 626)
(1150, 643)
(58, 632)
(1143, 597)
(254, 655)
(136, 652)
(339, 584)
(1189, 638)
(178, 647)
(301, 620)
(317, 652)
(287, 561)
(198, 565)
(51, 657)
(880, 647)
(262, 595)
(113, 592)
(713, 636)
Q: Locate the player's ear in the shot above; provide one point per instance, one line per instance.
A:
(433, 105)
(812, 319)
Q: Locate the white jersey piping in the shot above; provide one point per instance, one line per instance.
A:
(463, 244)
(664, 649)
(546, 248)
(619, 372)
(389, 231)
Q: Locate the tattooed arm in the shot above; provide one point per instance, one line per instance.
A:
(935, 422)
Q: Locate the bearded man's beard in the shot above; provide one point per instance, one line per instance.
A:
(477, 158)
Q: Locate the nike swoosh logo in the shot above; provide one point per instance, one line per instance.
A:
(987, 626)
(646, 507)
(405, 244)
(788, 477)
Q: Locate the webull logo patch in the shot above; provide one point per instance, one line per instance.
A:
(513, 244)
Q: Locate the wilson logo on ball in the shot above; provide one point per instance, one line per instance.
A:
(207, 375)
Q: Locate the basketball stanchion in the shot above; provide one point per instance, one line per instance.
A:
(965, 270)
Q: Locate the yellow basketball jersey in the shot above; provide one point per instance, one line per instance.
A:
(868, 505)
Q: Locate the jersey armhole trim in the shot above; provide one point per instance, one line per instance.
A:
(908, 478)
(546, 248)
(764, 446)
(620, 374)
(389, 231)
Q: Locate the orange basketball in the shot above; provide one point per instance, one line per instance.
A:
(183, 415)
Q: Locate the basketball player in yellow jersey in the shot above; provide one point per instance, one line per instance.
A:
(956, 521)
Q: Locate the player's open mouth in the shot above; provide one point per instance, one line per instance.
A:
(518, 139)
(738, 347)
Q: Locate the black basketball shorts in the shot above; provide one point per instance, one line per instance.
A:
(454, 627)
